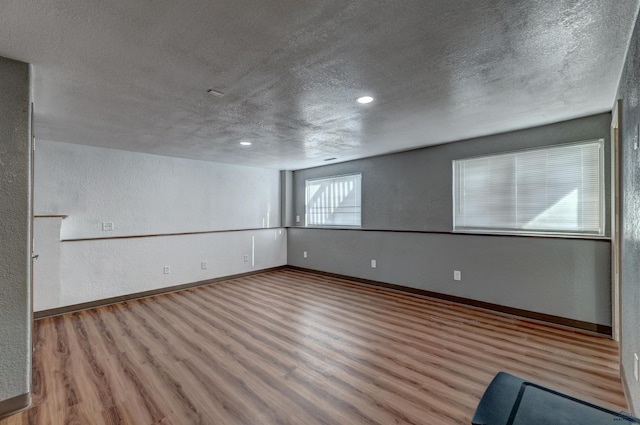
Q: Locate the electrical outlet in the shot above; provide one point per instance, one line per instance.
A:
(635, 366)
(374, 264)
(107, 226)
(457, 275)
(297, 219)
(166, 269)
(246, 258)
(304, 254)
(203, 265)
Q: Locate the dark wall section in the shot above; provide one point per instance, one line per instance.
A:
(629, 92)
(411, 192)
(567, 278)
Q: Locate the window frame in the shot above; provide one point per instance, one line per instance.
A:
(543, 233)
(331, 177)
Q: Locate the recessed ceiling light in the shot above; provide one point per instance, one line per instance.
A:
(245, 143)
(365, 99)
(215, 92)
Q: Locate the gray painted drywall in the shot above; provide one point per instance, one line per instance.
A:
(286, 198)
(412, 191)
(561, 277)
(629, 92)
(15, 230)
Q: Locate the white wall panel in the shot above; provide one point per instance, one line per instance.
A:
(149, 194)
(146, 194)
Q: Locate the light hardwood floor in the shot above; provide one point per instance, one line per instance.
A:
(289, 347)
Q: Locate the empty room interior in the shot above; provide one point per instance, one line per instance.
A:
(292, 212)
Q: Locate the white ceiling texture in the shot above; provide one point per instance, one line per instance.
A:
(134, 74)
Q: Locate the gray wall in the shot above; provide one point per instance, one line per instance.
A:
(629, 92)
(562, 277)
(15, 233)
(411, 191)
(286, 198)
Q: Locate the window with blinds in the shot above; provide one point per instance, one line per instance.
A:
(554, 190)
(334, 201)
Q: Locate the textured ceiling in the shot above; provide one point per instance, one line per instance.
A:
(133, 75)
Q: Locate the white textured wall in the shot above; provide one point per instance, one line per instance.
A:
(15, 232)
(99, 269)
(46, 268)
(629, 93)
(149, 194)
(146, 194)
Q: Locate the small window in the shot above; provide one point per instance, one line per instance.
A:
(554, 190)
(334, 201)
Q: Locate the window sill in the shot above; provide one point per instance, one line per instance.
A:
(460, 233)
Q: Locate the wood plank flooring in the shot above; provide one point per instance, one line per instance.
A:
(289, 347)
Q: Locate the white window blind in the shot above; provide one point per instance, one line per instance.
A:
(334, 201)
(551, 190)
